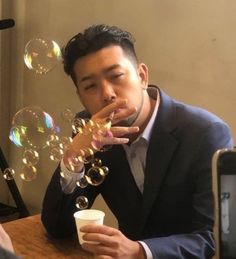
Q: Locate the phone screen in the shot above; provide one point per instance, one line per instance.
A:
(227, 204)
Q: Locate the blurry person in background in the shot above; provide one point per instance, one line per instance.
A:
(6, 248)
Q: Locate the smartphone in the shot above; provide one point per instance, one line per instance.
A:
(224, 189)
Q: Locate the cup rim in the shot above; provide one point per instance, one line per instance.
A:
(98, 214)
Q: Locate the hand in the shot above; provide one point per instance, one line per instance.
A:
(106, 135)
(119, 112)
(5, 241)
(112, 243)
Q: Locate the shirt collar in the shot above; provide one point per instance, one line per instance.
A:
(153, 93)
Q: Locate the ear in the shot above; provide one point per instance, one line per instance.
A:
(143, 74)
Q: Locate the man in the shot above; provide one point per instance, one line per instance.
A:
(6, 248)
(159, 184)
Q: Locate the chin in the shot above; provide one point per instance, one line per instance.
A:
(129, 121)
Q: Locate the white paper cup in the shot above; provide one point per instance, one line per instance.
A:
(88, 216)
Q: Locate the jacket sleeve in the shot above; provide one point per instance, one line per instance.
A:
(58, 207)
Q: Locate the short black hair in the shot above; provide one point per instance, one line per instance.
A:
(93, 39)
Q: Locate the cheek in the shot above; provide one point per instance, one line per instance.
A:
(91, 104)
(135, 95)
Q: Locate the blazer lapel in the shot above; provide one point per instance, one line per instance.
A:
(158, 158)
(161, 148)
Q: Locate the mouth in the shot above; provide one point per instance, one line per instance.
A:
(128, 121)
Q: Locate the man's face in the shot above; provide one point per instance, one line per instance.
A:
(108, 75)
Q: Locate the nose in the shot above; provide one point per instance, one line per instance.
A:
(108, 93)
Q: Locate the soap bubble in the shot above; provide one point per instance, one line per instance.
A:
(53, 140)
(78, 125)
(82, 182)
(8, 174)
(105, 170)
(81, 202)
(97, 162)
(56, 154)
(68, 115)
(73, 163)
(42, 55)
(65, 142)
(30, 157)
(86, 156)
(32, 128)
(95, 176)
(28, 173)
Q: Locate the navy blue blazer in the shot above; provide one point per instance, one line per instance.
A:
(174, 215)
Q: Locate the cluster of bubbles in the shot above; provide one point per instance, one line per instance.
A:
(33, 129)
(94, 176)
(97, 173)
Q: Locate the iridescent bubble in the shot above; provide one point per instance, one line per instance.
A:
(95, 176)
(56, 154)
(28, 173)
(78, 125)
(18, 136)
(30, 157)
(86, 156)
(82, 182)
(8, 174)
(32, 128)
(42, 55)
(74, 162)
(65, 142)
(68, 115)
(105, 170)
(53, 140)
(97, 162)
(81, 202)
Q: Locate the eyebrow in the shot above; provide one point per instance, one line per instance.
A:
(106, 70)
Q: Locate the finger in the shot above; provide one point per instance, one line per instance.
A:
(98, 233)
(103, 257)
(100, 141)
(107, 110)
(92, 239)
(120, 131)
(122, 114)
(102, 229)
(99, 250)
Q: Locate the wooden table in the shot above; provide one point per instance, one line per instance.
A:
(30, 240)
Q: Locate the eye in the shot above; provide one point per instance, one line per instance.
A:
(90, 86)
(117, 76)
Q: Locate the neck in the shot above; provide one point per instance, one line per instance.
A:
(144, 115)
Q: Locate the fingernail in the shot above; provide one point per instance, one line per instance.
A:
(125, 140)
(109, 134)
